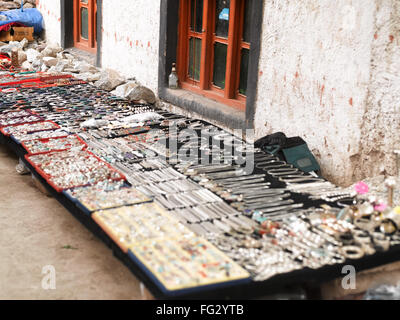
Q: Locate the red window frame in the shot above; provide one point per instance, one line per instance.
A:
(230, 94)
(89, 44)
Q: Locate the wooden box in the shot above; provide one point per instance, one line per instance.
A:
(17, 34)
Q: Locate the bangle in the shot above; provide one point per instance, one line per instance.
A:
(364, 224)
(362, 237)
(346, 238)
(352, 252)
(381, 240)
(395, 239)
(388, 227)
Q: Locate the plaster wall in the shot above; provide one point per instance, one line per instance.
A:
(314, 74)
(380, 129)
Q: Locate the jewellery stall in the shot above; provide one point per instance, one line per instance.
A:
(192, 210)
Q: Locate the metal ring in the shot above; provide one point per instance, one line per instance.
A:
(352, 252)
(388, 227)
(381, 240)
(346, 238)
(362, 236)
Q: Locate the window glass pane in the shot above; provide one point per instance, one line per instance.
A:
(222, 18)
(220, 51)
(247, 21)
(84, 23)
(196, 17)
(244, 70)
(194, 58)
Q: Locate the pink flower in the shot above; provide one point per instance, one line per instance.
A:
(380, 207)
(361, 188)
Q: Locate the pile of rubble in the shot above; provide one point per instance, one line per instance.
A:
(16, 4)
(39, 56)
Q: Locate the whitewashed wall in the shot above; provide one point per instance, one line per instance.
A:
(380, 129)
(322, 69)
(131, 39)
(51, 12)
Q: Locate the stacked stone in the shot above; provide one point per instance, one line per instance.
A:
(16, 4)
(40, 56)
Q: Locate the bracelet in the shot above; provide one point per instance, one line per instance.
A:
(395, 239)
(361, 236)
(364, 224)
(346, 238)
(352, 252)
(388, 227)
(382, 241)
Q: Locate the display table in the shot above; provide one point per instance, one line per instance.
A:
(237, 281)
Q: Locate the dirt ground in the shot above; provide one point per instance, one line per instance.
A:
(36, 231)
